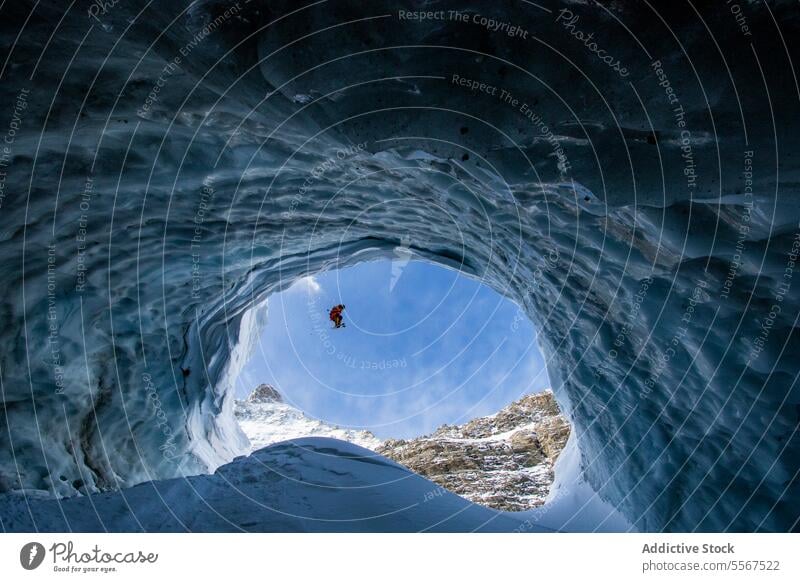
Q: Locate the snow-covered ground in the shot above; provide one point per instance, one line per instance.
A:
(313, 485)
(303, 485)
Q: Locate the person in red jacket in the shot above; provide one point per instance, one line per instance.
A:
(336, 316)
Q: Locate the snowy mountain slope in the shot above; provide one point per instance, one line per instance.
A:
(267, 419)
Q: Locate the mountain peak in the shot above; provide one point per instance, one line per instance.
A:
(264, 393)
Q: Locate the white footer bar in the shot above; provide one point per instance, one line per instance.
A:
(415, 557)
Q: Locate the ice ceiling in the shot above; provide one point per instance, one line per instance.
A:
(626, 172)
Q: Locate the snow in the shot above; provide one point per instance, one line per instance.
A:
(306, 485)
(500, 436)
(272, 422)
(573, 506)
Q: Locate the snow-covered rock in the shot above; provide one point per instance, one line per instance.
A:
(263, 394)
(504, 461)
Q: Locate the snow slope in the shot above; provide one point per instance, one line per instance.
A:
(305, 485)
(269, 420)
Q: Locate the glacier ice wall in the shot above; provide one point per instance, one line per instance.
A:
(166, 167)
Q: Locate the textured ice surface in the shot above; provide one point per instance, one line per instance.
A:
(141, 234)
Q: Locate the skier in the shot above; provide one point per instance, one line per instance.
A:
(336, 316)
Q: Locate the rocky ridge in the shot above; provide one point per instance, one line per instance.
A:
(504, 461)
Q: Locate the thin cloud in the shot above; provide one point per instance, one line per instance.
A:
(308, 284)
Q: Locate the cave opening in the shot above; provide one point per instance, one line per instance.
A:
(432, 368)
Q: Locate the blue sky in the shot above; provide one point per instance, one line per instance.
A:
(423, 346)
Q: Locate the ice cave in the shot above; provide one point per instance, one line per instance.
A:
(625, 172)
